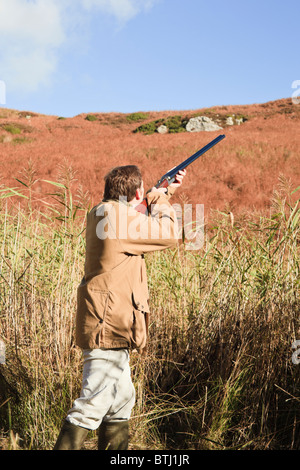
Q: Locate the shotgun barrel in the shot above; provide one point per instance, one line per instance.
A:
(169, 177)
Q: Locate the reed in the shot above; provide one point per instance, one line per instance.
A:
(218, 373)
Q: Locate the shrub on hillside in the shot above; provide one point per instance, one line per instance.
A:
(90, 117)
(12, 129)
(173, 123)
(176, 124)
(148, 128)
(135, 117)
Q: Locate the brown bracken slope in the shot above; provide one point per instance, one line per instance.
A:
(239, 174)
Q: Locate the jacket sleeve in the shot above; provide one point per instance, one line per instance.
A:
(156, 231)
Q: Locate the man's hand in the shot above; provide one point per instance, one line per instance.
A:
(178, 179)
(178, 182)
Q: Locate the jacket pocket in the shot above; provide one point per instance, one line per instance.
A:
(92, 305)
(139, 330)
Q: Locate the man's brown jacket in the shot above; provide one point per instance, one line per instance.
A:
(112, 299)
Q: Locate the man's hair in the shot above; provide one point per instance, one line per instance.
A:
(122, 181)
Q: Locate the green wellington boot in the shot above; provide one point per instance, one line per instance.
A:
(113, 435)
(71, 437)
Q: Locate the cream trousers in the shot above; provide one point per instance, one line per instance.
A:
(107, 391)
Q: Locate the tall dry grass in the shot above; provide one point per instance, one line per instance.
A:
(218, 373)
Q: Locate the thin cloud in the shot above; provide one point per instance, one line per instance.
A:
(32, 33)
(122, 10)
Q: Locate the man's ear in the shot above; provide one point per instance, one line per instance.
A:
(138, 193)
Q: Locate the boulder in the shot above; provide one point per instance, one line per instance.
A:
(202, 123)
(229, 121)
(162, 129)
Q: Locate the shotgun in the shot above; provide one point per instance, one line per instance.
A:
(170, 176)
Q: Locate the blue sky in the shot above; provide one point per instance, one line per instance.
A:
(66, 57)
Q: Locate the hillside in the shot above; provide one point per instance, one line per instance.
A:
(238, 174)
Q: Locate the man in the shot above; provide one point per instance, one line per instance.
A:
(112, 304)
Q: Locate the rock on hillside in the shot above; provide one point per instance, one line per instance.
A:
(202, 123)
(207, 122)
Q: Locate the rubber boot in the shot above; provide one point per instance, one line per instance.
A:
(71, 437)
(113, 435)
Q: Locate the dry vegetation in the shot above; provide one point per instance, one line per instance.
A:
(240, 173)
(219, 371)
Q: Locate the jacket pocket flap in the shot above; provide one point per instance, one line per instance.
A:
(139, 303)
